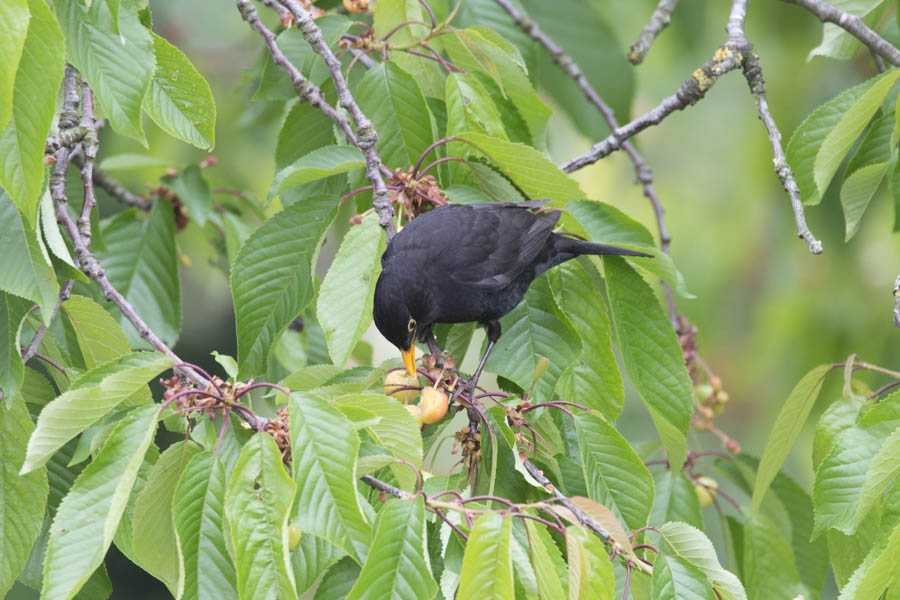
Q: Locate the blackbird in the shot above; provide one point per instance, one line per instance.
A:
(467, 262)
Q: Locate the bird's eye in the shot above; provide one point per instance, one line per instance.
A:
(411, 326)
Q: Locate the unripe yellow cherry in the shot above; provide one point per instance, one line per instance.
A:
(399, 379)
(433, 405)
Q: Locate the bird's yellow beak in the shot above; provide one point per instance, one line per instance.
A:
(409, 360)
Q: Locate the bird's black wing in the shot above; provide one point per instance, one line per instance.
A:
(496, 242)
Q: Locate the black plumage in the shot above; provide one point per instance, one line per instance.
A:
(461, 263)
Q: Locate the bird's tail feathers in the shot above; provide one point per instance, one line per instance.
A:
(582, 247)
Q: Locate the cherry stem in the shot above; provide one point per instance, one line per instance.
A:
(262, 384)
(402, 25)
(422, 156)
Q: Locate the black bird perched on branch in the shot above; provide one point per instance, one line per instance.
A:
(467, 262)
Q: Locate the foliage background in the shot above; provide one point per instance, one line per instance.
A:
(767, 310)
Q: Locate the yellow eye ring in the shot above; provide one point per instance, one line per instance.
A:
(411, 326)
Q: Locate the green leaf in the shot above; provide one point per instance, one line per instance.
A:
(839, 415)
(318, 164)
(877, 571)
(258, 507)
(179, 99)
(199, 514)
(154, 544)
(470, 108)
(676, 579)
(391, 98)
(842, 475)
(838, 43)
(594, 379)
(487, 563)
(769, 567)
(26, 272)
(692, 546)
(529, 169)
(100, 339)
(90, 397)
(807, 139)
(533, 330)
(271, 279)
(477, 49)
(590, 570)
(615, 475)
(14, 16)
(311, 558)
(87, 517)
(675, 500)
(399, 568)
(652, 355)
(28, 111)
(324, 448)
(395, 430)
(48, 232)
(590, 40)
(344, 306)
(22, 497)
(338, 580)
(547, 561)
(115, 55)
(275, 83)
(857, 191)
(193, 191)
(788, 423)
(12, 369)
(840, 139)
(141, 262)
(895, 192)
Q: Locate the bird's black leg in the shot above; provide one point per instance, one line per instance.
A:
(493, 334)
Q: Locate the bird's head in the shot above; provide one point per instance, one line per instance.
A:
(395, 322)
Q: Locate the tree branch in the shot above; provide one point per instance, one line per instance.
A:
(853, 25)
(643, 174)
(90, 144)
(111, 186)
(754, 77)
(31, 350)
(86, 261)
(659, 20)
(364, 137)
(736, 52)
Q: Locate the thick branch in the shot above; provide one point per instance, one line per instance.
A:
(853, 25)
(365, 132)
(659, 20)
(364, 137)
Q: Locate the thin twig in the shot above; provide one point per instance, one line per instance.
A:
(111, 186)
(582, 516)
(659, 20)
(39, 334)
(365, 132)
(853, 25)
(90, 144)
(754, 77)
(643, 174)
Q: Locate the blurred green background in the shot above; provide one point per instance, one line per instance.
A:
(766, 309)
